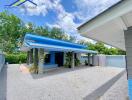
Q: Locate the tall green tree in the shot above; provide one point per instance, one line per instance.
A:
(10, 31)
(102, 49)
(56, 33)
(43, 31)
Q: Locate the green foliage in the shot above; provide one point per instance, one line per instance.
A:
(77, 62)
(68, 59)
(102, 49)
(10, 31)
(33, 69)
(16, 58)
(43, 31)
(13, 30)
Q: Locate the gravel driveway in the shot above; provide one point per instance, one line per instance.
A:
(60, 84)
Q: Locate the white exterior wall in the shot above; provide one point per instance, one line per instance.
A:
(2, 61)
(117, 61)
(111, 60)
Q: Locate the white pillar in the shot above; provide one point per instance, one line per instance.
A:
(73, 61)
(93, 59)
(88, 59)
(41, 61)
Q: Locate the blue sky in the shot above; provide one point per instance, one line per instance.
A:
(65, 14)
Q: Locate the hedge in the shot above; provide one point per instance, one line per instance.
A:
(16, 58)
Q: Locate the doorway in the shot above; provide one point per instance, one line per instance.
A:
(59, 58)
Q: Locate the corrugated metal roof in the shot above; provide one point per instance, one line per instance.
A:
(48, 45)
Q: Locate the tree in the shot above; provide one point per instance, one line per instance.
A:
(10, 31)
(43, 31)
(121, 52)
(102, 49)
(72, 39)
(56, 33)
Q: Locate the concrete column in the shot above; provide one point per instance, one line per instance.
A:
(41, 61)
(92, 59)
(28, 58)
(73, 61)
(88, 59)
(31, 56)
(128, 44)
(35, 57)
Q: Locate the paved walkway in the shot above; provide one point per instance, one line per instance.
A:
(119, 91)
(61, 84)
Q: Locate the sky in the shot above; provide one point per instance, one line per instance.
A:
(64, 14)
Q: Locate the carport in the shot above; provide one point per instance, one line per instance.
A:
(44, 44)
(113, 27)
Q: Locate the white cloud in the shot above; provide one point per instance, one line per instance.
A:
(90, 8)
(86, 9)
(42, 7)
(64, 19)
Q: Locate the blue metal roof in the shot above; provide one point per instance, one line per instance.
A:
(35, 41)
(50, 41)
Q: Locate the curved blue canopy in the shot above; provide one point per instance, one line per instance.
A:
(35, 41)
(50, 41)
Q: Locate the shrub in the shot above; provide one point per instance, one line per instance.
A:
(16, 58)
(68, 59)
(33, 69)
(77, 62)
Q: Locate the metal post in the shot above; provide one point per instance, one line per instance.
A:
(41, 61)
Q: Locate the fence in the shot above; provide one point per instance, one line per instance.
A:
(2, 61)
(117, 61)
(107, 60)
(111, 60)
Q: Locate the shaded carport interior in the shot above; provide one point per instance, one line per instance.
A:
(113, 27)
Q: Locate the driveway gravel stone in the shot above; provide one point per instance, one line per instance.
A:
(59, 84)
(119, 91)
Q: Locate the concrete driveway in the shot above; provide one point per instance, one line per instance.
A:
(60, 84)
